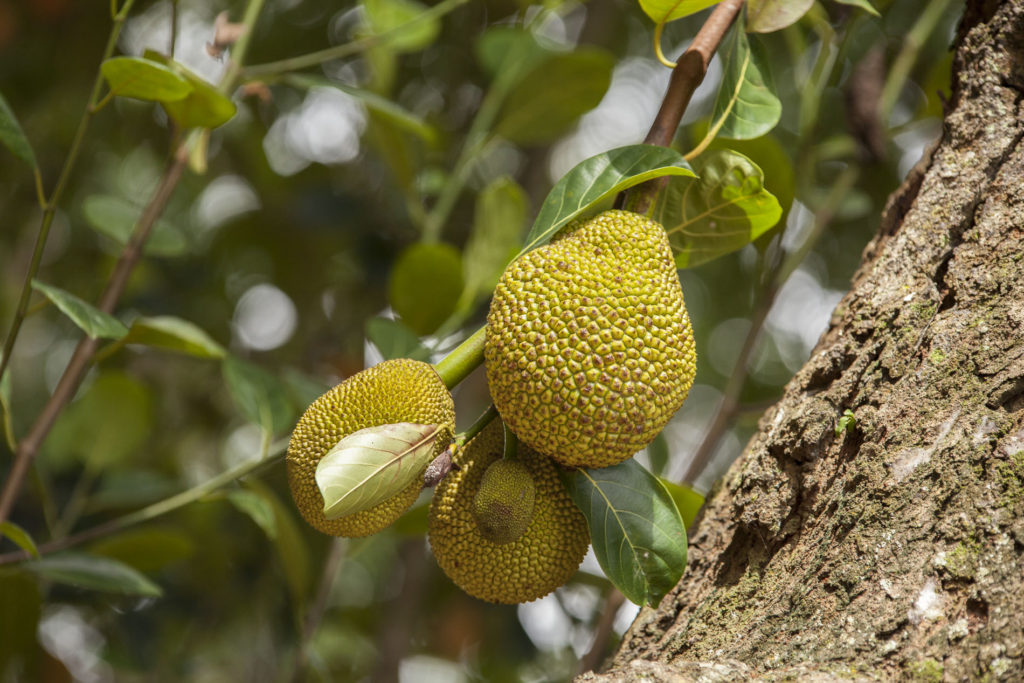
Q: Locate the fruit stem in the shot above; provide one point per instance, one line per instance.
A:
(462, 360)
(511, 444)
(477, 427)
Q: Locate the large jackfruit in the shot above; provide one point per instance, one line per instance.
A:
(394, 391)
(543, 558)
(589, 349)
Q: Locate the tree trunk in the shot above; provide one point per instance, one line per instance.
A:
(891, 548)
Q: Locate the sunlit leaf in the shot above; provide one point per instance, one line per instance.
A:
(746, 106)
(19, 537)
(259, 509)
(387, 15)
(863, 4)
(174, 334)
(688, 501)
(637, 532)
(144, 79)
(94, 573)
(89, 319)
(598, 178)
(552, 96)
(497, 233)
(395, 340)
(765, 16)
(20, 609)
(13, 137)
(724, 210)
(425, 285)
(116, 218)
(147, 549)
(259, 395)
(664, 11)
(371, 465)
(203, 107)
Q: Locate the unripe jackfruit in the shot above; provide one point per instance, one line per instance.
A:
(394, 391)
(503, 506)
(589, 350)
(543, 558)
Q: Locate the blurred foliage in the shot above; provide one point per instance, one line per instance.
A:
(329, 191)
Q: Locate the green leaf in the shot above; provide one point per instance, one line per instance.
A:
(497, 233)
(148, 549)
(6, 426)
(746, 106)
(372, 465)
(395, 340)
(598, 178)
(144, 79)
(664, 11)
(425, 285)
(20, 537)
(863, 4)
(116, 218)
(387, 15)
(203, 107)
(688, 501)
(638, 535)
(724, 210)
(501, 48)
(13, 138)
(765, 16)
(258, 508)
(415, 521)
(94, 573)
(552, 96)
(89, 319)
(289, 542)
(259, 395)
(174, 334)
(658, 452)
(20, 610)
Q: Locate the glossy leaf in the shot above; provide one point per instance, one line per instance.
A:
(552, 96)
(724, 210)
(664, 11)
(425, 285)
(497, 233)
(259, 509)
(688, 501)
(862, 4)
(148, 548)
(371, 465)
(116, 218)
(19, 537)
(637, 532)
(596, 179)
(13, 137)
(395, 340)
(20, 609)
(94, 573)
(89, 319)
(746, 105)
(174, 334)
(765, 16)
(389, 15)
(259, 395)
(144, 79)
(203, 107)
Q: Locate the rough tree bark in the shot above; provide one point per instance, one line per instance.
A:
(893, 549)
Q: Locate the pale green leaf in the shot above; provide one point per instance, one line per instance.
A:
(94, 573)
(746, 106)
(863, 4)
(147, 549)
(395, 340)
(90, 319)
(664, 11)
(116, 218)
(260, 396)
(765, 16)
(724, 210)
(203, 107)
(389, 15)
(372, 465)
(144, 79)
(13, 137)
(173, 334)
(258, 508)
(637, 532)
(425, 285)
(688, 501)
(596, 179)
(498, 223)
(20, 537)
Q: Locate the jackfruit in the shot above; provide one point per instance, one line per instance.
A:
(589, 350)
(394, 391)
(543, 558)
(503, 506)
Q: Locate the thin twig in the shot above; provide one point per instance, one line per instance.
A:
(602, 632)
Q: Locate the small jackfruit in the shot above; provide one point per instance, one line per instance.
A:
(394, 391)
(503, 506)
(543, 558)
(589, 350)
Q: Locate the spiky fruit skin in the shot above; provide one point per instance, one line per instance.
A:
(589, 349)
(542, 559)
(503, 505)
(394, 391)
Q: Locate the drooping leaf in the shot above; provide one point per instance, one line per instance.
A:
(552, 96)
(371, 465)
(94, 573)
(259, 395)
(292, 550)
(497, 233)
(765, 16)
(598, 178)
(173, 334)
(863, 4)
(395, 340)
(688, 501)
(425, 285)
(724, 210)
(20, 537)
(116, 218)
(389, 15)
(664, 11)
(144, 79)
(20, 610)
(258, 508)
(89, 319)
(746, 105)
(638, 535)
(13, 137)
(203, 107)
(146, 549)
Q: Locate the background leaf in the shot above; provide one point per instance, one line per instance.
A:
(19, 537)
(863, 4)
(724, 210)
(688, 501)
(497, 233)
(116, 218)
(595, 179)
(144, 79)
(386, 15)
(89, 319)
(395, 340)
(425, 285)
(94, 573)
(203, 107)
(258, 508)
(371, 465)
(501, 48)
(173, 334)
(765, 16)
(20, 610)
(259, 395)
(13, 137)
(664, 11)
(746, 103)
(638, 535)
(292, 550)
(147, 549)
